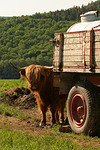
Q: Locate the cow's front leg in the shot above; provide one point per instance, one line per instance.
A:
(53, 120)
(62, 117)
(43, 120)
(57, 116)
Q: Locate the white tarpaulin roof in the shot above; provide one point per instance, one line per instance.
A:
(84, 26)
(89, 20)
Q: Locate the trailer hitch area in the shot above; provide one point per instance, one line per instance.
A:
(55, 42)
(92, 68)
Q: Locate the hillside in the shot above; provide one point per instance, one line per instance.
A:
(25, 40)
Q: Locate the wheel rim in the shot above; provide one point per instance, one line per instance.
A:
(78, 109)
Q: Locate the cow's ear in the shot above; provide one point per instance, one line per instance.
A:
(22, 72)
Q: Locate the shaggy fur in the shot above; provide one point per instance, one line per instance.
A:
(40, 82)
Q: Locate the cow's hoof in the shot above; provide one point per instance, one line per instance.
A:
(42, 124)
(61, 121)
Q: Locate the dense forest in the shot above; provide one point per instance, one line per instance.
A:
(26, 40)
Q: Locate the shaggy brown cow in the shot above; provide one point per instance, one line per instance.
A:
(40, 82)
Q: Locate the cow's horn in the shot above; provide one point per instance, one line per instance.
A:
(19, 69)
(48, 67)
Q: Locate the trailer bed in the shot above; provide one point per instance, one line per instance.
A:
(78, 51)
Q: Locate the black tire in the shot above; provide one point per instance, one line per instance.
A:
(81, 108)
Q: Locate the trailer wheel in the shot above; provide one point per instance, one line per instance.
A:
(80, 110)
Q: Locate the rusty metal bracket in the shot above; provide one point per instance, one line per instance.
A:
(83, 51)
(92, 61)
(61, 51)
(55, 42)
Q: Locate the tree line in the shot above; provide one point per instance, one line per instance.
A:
(26, 40)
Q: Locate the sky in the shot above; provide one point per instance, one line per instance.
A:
(30, 7)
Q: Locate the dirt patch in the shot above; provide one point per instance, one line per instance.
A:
(19, 96)
(30, 125)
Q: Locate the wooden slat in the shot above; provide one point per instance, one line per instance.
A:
(73, 40)
(80, 70)
(73, 63)
(79, 64)
(97, 58)
(73, 46)
(75, 58)
(97, 64)
(97, 45)
(75, 34)
(97, 32)
(78, 40)
(72, 52)
(79, 52)
(97, 38)
(96, 52)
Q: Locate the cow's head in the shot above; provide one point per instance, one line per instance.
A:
(35, 75)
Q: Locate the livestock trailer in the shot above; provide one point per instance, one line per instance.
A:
(76, 67)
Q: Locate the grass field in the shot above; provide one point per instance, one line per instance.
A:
(15, 136)
(11, 83)
(11, 140)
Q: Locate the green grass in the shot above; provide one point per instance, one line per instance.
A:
(14, 140)
(11, 111)
(11, 83)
